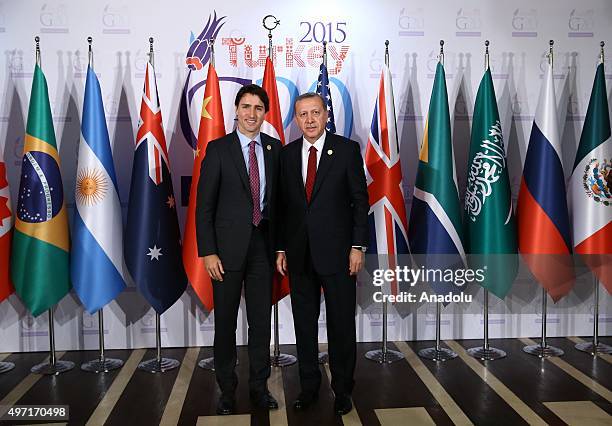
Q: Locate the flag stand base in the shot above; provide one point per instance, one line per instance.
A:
(594, 349)
(49, 369)
(158, 365)
(102, 365)
(6, 366)
(543, 351)
(323, 357)
(437, 354)
(486, 354)
(384, 357)
(209, 363)
(282, 360)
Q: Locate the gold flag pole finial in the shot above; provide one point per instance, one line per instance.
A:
(151, 54)
(486, 54)
(37, 40)
(90, 52)
(387, 52)
(441, 56)
(550, 52)
(211, 45)
(325, 53)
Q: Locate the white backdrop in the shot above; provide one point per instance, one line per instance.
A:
(519, 34)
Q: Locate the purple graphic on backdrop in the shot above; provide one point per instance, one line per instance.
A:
(198, 55)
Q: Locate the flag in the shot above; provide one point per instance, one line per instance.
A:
(273, 126)
(387, 216)
(543, 222)
(153, 238)
(40, 259)
(490, 228)
(6, 233)
(97, 265)
(435, 228)
(273, 120)
(212, 127)
(324, 91)
(590, 186)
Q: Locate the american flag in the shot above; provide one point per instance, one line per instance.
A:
(325, 92)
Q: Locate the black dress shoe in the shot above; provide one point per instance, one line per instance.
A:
(264, 400)
(226, 405)
(305, 400)
(343, 404)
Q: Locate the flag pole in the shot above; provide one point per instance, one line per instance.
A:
(157, 364)
(384, 355)
(102, 364)
(53, 366)
(209, 363)
(438, 353)
(596, 347)
(277, 359)
(324, 356)
(485, 352)
(543, 350)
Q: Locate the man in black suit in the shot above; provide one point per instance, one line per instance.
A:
(236, 232)
(325, 206)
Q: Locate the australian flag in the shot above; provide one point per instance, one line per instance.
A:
(325, 92)
(152, 242)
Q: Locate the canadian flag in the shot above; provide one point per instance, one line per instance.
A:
(6, 233)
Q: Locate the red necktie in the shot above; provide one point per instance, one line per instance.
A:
(311, 172)
(254, 181)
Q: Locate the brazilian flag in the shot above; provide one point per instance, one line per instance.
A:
(40, 259)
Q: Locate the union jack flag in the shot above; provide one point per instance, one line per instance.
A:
(387, 216)
(324, 91)
(150, 130)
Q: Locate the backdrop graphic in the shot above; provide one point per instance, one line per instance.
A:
(355, 31)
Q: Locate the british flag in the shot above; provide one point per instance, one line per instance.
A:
(387, 217)
(150, 130)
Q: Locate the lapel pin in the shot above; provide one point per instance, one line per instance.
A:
(330, 151)
(268, 147)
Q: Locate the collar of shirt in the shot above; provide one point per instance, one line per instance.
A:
(318, 144)
(245, 140)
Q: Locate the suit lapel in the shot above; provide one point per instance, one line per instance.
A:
(238, 158)
(267, 150)
(325, 163)
(296, 166)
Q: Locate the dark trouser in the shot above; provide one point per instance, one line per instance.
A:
(340, 293)
(257, 278)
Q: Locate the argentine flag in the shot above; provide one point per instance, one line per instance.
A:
(98, 269)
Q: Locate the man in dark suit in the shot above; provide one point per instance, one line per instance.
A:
(324, 202)
(235, 226)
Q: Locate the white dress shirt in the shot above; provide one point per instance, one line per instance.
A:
(306, 152)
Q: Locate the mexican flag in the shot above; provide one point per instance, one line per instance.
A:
(590, 186)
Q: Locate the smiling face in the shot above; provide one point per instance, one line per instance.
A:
(311, 117)
(250, 113)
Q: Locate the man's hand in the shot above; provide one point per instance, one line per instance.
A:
(356, 259)
(214, 267)
(281, 263)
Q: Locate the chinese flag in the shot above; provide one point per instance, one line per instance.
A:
(212, 126)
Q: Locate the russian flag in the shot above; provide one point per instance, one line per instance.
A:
(543, 221)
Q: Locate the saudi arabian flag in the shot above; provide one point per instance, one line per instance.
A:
(490, 228)
(590, 186)
(39, 262)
